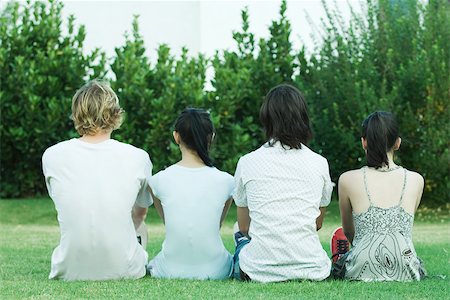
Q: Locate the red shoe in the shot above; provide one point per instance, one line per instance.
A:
(339, 244)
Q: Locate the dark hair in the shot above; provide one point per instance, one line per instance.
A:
(196, 131)
(284, 115)
(380, 130)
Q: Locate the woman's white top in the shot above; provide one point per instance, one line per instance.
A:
(283, 190)
(94, 188)
(193, 200)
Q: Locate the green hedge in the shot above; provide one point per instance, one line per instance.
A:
(40, 68)
(394, 56)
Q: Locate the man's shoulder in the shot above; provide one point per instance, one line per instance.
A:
(131, 150)
(57, 148)
(254, 155)
(253, 159)
(314, 155)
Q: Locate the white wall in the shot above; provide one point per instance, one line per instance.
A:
(201, 26)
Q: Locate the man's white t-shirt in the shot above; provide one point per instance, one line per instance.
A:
(283, 190)
(94, 188)
(193, 200)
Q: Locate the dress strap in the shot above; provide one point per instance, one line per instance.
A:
(403, 188)
(365, 186)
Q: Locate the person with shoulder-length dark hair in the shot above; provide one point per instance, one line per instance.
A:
(377, 204)
(192, 197)
(281, 193)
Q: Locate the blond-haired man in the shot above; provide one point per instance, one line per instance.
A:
(99, 189)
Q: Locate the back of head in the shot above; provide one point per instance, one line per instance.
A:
(381, 131)
(284, 115)
(95, 108)
(196, 131)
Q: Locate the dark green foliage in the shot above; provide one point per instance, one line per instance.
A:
(242, 79)
(153, 96)
(132, 71)
(40, 70)
(180, 83)
(236, 109)
(394, 56)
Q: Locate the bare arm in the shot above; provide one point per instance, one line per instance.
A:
(243, 217)
(420, 186)
(157, 204)
(345, 208)
(138, 215)
(226, 207)
(319, 220)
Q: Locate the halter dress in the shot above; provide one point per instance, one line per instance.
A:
(382, 248)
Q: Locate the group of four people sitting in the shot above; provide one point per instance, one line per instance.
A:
(102, 189)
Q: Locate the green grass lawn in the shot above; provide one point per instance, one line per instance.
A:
(29, 232)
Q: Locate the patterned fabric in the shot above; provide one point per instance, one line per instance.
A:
(382, 248)
(283, 190)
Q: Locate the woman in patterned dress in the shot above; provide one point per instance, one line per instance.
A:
(377, 204)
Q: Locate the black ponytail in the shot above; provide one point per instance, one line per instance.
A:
(196, 130)
(380, 130)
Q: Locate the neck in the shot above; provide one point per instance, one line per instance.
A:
(190, 158)
(392, 165)
(390, 156)
(96, 138)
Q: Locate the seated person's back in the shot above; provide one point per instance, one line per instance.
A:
(282, 185)
(192, 198)
(377, 204)
(95, 186)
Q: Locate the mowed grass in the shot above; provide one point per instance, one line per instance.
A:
(29, 232)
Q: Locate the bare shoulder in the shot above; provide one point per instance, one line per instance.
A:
(416, 178)
(349, 177)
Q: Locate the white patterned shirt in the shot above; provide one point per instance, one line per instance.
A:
(283, 190)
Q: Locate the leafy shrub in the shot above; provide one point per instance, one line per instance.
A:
(394, 56)
(242, 79)
(40, 70)
(153, 96)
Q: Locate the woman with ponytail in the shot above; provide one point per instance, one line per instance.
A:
(377, 204)
(192, 197)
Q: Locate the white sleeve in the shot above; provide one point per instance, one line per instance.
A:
(46, 173)
(230, 185)
(239, 193)
(144, 199)
(153, 183)
(327, 187)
